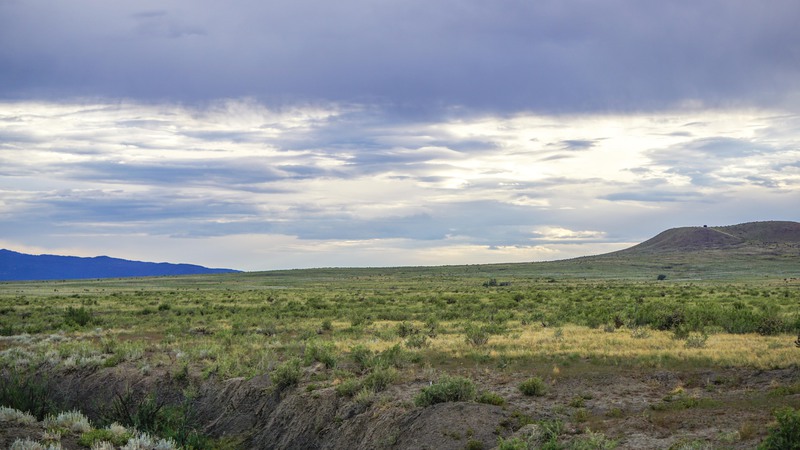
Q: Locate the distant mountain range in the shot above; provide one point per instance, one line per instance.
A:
(21, 266)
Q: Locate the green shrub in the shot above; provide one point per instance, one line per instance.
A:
(417, 341)
(175, 423)
(680, 332)
(476, 336)
(287, 374)
(771, 325)
(696, 340)
(581, 415)
(447, 389)
(474, 444)
(785, 435)
(362, 356)
(577, 402)
(679, 399)
(365, 397)
(551, 429)
(77, 316)
(324, 352)
(348, 387)
(593, 441)
(405, 329)
(7, 330)
(393, 356)
(432, 327)
(358, 319)
(181, 374)
(533, 387)
(490, 398)
(511, 444)
(26, 393)
(140, 412)
(89, 438)
(381, 378)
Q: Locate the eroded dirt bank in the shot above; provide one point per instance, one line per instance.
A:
(637, 408)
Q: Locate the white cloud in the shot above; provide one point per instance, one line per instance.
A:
(345, 185)
(563, 234)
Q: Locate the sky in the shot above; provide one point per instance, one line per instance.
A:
(290, 134)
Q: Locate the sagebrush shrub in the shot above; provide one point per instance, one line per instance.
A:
(324, 352)
(362, 356)
(147, 442)
(490, 398)
(16, 416)
(447, 389)
(30, 444)
(405, 329)
(533, 387)
(393, 356)
(77, 316)
(287, 374)
(417, 341)
(74, 421)
(476, 336)
(348, 387)
(381, 378)
(770, 326)
(696, 340)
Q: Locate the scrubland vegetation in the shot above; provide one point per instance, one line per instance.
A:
(460, 331)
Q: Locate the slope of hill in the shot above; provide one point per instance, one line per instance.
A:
(746, 237)
(745, 251)
(21, 266)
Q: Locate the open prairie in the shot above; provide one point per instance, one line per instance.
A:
(683, 350)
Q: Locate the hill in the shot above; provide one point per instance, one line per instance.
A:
(745, 251)
(752, 237)
(21, 266)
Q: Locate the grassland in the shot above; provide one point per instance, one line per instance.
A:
(376, 336)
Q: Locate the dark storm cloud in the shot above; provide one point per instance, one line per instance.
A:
(412, 55)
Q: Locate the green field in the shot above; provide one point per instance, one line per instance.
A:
(358, 332)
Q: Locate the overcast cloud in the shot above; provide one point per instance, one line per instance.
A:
(259, 135)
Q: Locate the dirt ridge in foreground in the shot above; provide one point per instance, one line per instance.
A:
(627, 405)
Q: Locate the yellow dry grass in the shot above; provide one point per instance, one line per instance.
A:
(656, 348)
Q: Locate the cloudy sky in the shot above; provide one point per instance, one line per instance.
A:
(285, 134)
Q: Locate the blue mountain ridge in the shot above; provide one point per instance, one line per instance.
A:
(16, 266)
